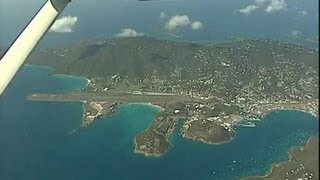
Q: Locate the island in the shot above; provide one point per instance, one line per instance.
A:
(207, 87)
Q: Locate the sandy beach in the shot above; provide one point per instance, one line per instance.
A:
(152, 105)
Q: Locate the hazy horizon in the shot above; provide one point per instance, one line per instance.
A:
(220, 19)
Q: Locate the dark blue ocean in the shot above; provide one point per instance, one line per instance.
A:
(221, 21)
(34, 140)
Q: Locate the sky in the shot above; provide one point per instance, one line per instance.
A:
(195, 20)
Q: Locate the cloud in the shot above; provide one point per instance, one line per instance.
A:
(270, 6)
(163, 15)
(180, 21)
(196, 25)
(295, 33)
(64, 24)
(249, 9)
(303, 13)
(276, 5)
(177, 21)
(127, 32)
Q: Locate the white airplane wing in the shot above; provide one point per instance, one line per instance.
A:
(17, 53)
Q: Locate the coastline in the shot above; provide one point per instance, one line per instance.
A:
(151, 105)
(313, 114)
(184, 136)
(55, 74)
(38, 66)
(154, 141)
(137, 151)
(88, 81)
(276, 164)
(72, 76)
(147, 104)
(201, 140)
(59, 75)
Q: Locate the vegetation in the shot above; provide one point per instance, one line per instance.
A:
(214, 85)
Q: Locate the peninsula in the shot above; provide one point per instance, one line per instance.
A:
(210, 86)
(302, 164)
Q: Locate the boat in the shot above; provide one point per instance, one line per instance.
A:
(247, 124)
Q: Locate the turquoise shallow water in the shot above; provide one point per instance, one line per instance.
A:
(35, 143)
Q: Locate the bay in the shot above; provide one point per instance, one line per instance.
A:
(36, 144)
